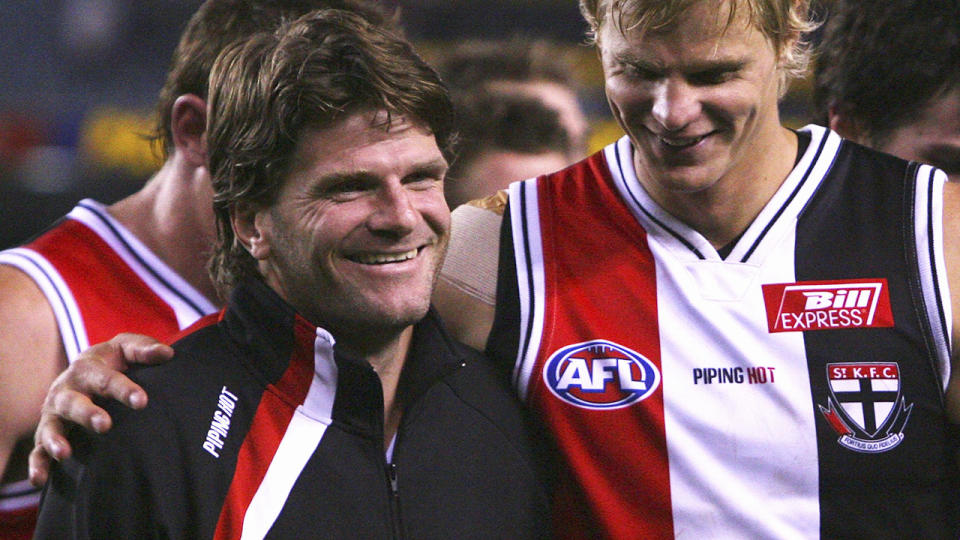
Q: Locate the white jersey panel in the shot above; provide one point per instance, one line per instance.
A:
(729, 388)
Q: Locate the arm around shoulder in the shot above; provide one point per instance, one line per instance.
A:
(109, 488)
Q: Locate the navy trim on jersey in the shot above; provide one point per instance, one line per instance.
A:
(173, 290)
(530, 285)
(783, 207)
(662, 225)
(63, 302)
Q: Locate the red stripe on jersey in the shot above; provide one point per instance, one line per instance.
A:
(110, 295)
(273, 415)
(600, 284)
(18, 524)
(202, 322)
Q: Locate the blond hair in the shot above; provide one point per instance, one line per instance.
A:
(783, 22)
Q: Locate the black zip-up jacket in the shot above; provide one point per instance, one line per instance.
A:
(258, 426)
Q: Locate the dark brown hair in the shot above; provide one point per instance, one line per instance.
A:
(310, 73)
(216, 24)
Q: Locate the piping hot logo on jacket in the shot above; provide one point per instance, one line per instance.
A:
(827, 305)
(599, 375)
(865, 406)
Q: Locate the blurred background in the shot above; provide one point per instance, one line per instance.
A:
(79, 79)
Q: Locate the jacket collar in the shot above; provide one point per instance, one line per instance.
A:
(299, 361)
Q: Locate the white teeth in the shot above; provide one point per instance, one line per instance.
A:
(373, 258)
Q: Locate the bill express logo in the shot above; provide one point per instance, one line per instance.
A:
(600, 374)
(825, 305)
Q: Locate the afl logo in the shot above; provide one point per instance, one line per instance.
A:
(599, 375)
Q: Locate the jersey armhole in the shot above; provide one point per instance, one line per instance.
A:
(504, 341)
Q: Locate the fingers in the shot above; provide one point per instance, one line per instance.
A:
(49, 444)
(96, 372)
(39, 466)
(133, 349)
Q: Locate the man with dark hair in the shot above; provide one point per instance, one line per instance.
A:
(325, 401)
(503, 138)
(136, 266)
(888, 77)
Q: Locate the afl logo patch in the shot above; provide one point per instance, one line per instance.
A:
(599, 375)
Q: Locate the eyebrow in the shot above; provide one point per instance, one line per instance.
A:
(437, 165)
(728, 64)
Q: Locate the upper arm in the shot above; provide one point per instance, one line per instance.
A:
(466, 289)
(31, 356)
(951, 246)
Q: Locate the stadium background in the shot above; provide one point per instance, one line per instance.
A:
(79, 80)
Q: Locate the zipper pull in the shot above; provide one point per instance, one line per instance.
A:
(392, 472)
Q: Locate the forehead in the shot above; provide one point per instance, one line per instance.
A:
(705, 31)
(365, 142)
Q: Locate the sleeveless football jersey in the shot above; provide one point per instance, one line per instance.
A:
(100, 281)
(793, 389)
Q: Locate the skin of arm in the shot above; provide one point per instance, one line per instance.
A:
(31, 356)
(466, 290)
(951, 240)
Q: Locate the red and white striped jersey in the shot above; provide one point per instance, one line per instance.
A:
(792, 389)
(100, 281)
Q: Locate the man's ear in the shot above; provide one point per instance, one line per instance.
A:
(188, 124)
(843, 124)
(252, 227)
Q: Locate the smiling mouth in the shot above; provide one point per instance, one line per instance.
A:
(383, 258)
(680, 142)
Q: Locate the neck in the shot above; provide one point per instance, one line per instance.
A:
(173, 216)
(724, 210)
(387, 356)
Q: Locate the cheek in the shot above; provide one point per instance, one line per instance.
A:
(627, 100)
(433, 207)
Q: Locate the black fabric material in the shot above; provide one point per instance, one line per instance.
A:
(859, 225)
(504, 340)
(464, 467)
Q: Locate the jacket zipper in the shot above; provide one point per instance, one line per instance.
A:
(394, 500)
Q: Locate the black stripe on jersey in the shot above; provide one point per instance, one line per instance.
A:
(503, 344)
(860, 224)
(173, 290)
(661, 224)
(63, 302)
(783, 207)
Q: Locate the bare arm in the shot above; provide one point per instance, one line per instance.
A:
(31, 355)
(951, 240)
(466, 291)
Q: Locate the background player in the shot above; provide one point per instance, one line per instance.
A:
(888, 77)
(504, 137)
(518, 67)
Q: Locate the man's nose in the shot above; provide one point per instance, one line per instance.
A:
(675, 104)
(394, 212)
